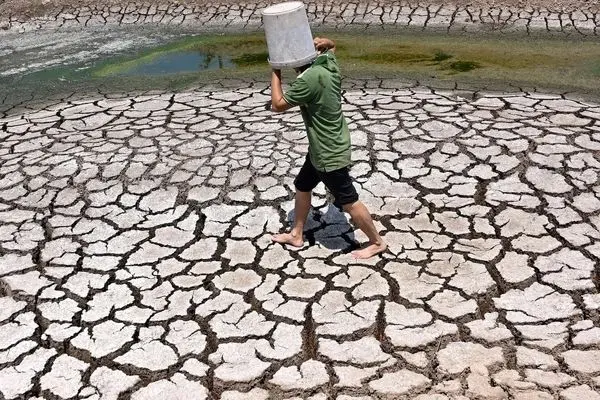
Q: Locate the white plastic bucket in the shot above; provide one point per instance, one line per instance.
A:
(288, 34)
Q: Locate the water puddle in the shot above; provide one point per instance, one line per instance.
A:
(192, 56)
(176, 63)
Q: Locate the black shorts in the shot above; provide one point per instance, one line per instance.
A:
(338, 182)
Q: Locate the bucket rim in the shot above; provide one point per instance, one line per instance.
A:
(294, 5)
(294, 63)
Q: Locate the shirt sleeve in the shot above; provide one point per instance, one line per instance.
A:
(299, 93)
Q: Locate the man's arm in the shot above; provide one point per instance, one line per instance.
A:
(278, 103)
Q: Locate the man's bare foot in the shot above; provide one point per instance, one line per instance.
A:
(289, 238)
(370, 251)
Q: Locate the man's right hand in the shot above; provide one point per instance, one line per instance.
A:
(323, 44)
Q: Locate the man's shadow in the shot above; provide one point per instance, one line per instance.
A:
(328, 226)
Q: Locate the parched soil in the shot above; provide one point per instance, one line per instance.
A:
(35, 8)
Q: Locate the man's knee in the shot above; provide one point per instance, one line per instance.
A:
(303, 185)
(349, 207)
(303, 192)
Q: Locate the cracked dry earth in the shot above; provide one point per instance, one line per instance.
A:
(549, 17)
(137, 262)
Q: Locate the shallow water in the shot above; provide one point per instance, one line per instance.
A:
(179, 62)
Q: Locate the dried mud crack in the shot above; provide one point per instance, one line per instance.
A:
(578, 18)
(136, 258)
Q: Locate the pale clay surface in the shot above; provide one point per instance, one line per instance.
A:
(148, 280)
(134, 237)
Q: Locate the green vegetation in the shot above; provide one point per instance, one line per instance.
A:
(441, 56)
(546, 63)
(248, 59)
(463, 66)
(390, 58)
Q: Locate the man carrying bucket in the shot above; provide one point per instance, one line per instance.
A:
(317, 90)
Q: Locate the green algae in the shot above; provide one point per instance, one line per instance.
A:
(541, 62)
(463, 66)
(248, 59)
(565, 64)
(440, 56)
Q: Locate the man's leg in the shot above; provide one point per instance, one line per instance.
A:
(301, 208)
(363, 220)
(340, 185)
(305, 182)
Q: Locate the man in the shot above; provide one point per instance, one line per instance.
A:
(317, 90)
